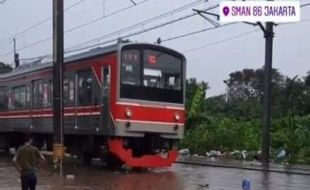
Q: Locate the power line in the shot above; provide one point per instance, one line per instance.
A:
(182, 8)
(130, 27)
(40, 22)
(195, 32)
(155, 27)
(177, 10)
(27, 46)
(143, 31)
(176, 37)
(305, 5)
(76, 27)
(135, 33)
(222, 41)
(131, 34)
(96, 39)
(230, 38)
(101, 18)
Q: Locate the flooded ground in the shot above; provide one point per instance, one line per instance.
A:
(178, 177)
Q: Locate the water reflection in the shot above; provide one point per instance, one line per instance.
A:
(179, 177)
(266, 180)
(148, 181)
(103, 179)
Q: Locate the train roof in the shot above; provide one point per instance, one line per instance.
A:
(45, 63)
(39, 64)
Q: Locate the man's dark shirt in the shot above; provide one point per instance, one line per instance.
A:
(27, 158)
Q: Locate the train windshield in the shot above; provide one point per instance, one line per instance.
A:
(151, 75)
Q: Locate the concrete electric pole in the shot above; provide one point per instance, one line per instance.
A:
(58, 58)
(269, 34)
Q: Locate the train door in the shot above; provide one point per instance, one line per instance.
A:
(88, 90)
(105, 96)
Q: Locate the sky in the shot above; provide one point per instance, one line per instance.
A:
(211, 55)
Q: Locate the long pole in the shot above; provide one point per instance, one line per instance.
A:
(58, 57)
(16, 56)
(269, 34)
(14, 47)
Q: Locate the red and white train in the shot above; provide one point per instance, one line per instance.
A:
(123, 102)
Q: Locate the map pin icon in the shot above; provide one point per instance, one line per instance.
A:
(225, 11)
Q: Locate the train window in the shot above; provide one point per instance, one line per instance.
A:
(71, 91)
(37, 94)
(131, 67)
(23, 97)
(19, 97)
(68, 91)
(3, 98)
(9, 97)
(51, 92)
(85, 85)
(46, 94)
(161, 70)
(159, 76)
(28, 100)
(106, 81)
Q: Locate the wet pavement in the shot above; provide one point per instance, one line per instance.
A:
(243, 164)
(178, 177)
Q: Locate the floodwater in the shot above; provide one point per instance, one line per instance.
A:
(178, 177)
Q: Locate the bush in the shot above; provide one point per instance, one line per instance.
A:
(223, 134)
(291, 133)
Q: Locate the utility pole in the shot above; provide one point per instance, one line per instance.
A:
(16, 55)
(268, 34)
(58, 57)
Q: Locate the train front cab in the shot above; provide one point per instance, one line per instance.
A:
(147, 110)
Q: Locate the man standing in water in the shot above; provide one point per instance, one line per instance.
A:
(26, 161)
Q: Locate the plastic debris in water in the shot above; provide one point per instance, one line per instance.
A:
(246, 184)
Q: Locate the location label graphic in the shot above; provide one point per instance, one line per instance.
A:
(225, 11)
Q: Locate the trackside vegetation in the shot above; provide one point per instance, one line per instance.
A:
(232, 121)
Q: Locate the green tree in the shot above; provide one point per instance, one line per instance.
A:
(249, 84)
(216, 105)
(195, 96)
(5, 68)
(293, 96)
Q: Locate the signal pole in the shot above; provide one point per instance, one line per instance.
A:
(16, 56)
(58, 57)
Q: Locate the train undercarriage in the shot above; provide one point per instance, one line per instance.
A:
(150, 151)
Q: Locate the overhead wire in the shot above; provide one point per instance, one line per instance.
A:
(72, 29)
(182, 8)
(101, 18)
(232, 38)
(158, 26)
(131, 27)
(77, 48)
(40, 22)
(223, 40)
(116, 32)
(195, 32)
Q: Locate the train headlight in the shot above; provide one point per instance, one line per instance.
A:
(177, 117)
(128, 113)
